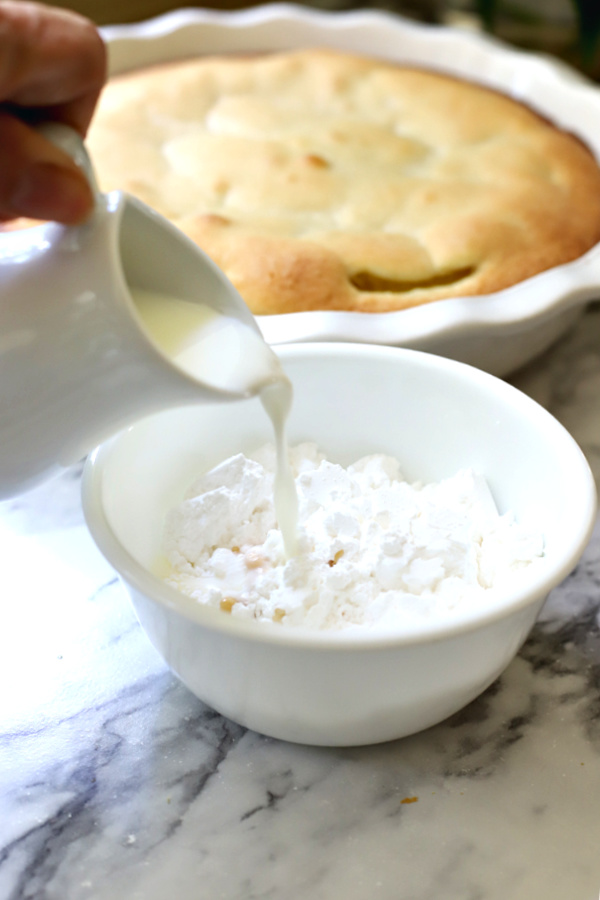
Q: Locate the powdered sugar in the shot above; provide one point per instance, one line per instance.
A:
(374, 550)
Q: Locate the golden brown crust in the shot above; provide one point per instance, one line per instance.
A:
(320, 180)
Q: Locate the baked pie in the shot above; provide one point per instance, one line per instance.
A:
(321, 180)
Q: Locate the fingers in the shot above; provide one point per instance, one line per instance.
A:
(52, 68)
(37, 180)
(51, 60)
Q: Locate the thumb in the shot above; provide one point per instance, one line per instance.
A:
(37, 179)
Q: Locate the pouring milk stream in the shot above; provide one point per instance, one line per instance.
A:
(227, 353)
(104, 323)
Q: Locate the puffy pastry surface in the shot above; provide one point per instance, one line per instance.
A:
(321, 180)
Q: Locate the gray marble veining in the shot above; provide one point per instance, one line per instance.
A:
(115, 782)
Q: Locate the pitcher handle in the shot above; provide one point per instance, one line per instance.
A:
(71, 142)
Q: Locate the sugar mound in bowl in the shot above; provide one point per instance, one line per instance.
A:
(373, 552)
(438, 507)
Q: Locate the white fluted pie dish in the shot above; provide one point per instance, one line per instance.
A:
(497, 332)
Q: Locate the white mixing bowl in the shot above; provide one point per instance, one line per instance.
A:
(334, 688)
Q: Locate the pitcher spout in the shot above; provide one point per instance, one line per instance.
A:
(105, 323)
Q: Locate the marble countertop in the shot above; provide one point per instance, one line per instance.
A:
(115, 782)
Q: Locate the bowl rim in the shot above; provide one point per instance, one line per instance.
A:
(547, 84)
(531, 588)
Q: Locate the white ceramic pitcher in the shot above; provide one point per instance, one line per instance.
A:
(75, 362)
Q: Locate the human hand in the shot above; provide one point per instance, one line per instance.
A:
(52, 68)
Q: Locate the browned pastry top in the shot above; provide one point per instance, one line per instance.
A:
(322, 180)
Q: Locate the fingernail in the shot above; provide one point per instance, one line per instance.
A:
(47, 191)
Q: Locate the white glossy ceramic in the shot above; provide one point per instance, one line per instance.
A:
(498, 332)
(332, 688)
(76, 364)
